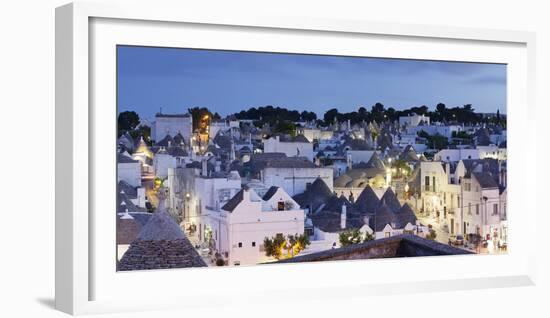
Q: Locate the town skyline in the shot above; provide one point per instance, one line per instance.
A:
(177, 79)
(286, 180)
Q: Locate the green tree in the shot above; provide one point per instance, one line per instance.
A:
(128, 120)
(142, 131)
(368, 237)
(378, 112)
(350, 237)
(330, 115)
(274, 246)
(308, 116)
(436, 141)
(292, 244)
(285, 127)
(402, 168)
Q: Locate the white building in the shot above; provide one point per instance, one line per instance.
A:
(357, 156)
(162, 161)
(432, 191)
(299, 147)
(414, 120)
(480, 152)
(311, 134)
(467, 201)
(483, 206)
(492, 151)
(172, 124)
(128, 170)
(295, 179)
(210, 193)
(455, 155)
(443, 130)
(224, 126)
(237, 230)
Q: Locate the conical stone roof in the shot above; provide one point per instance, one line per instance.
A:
(390, 199)
(160, 244)
(376, 162)
(367, 201)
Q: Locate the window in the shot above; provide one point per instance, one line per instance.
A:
(280, 206)
(495, 209)
(477, 209)
(240, 244)
(253, 244)
(433, 179)
(387, 234)
(467, 187)
(469, 208)
(427, 183)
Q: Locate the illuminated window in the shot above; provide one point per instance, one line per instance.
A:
(280, 206)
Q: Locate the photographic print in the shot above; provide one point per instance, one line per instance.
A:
(236, 158)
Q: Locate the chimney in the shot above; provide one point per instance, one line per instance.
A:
(246, 195)
(501, 175)
(366, 219)
(343, 217)
(232, 153)
(448, 170)
(204, 172)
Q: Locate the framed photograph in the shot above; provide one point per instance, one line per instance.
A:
(242, 157)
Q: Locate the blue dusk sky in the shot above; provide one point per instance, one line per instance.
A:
(230, 81)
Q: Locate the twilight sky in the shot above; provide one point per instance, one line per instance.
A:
(229, 81)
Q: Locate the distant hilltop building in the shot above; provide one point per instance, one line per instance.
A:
(414, 120)
(171, 124)
(298, 146)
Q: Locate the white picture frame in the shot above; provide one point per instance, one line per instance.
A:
(78, 253)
